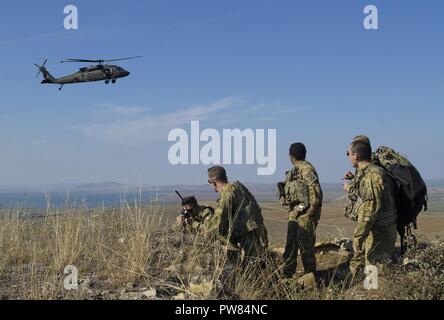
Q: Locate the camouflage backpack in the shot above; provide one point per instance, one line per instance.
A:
(249, 215)
(411, 190)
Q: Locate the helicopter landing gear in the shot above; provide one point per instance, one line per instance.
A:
(114, 81)
(60, 89)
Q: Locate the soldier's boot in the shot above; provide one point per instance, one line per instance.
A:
(309, 262)
(357, 264)
(291, 250)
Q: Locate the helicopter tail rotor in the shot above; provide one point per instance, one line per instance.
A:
(42, 68)
(48, 78)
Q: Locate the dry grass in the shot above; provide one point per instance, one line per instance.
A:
(131, 247)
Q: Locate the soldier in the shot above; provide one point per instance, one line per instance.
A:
(351, 185)
(194, 216)
(302, 194)
(375, 208)
(238, 218)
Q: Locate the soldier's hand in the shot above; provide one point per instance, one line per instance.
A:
(346, 186)
(348, 176)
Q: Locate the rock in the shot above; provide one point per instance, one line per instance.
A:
(131, 296)
(345, 244)
(338, 244)
(307, 281)
(172, 268)
(325, 246)
(41, 269)
(410, 264)
(202, 289)
(279, 251)
(198, 270)
(89, 282)
(180, 296)
(150, 293)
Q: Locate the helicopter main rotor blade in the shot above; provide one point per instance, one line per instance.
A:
(81, 60)
(100, 61)
(123, 59)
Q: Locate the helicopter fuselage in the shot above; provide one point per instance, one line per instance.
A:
(90, 74)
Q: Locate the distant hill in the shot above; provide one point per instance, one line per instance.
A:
(101, 187)
(438, 183)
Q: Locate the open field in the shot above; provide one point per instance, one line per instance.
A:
(132, 252)
(332, 225)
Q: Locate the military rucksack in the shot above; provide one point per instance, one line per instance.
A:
(411, 190)
(248, 216)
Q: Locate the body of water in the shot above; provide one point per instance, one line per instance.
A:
(61, 200)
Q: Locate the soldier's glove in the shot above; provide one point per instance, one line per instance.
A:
(281, 194)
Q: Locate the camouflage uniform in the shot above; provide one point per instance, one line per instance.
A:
(352, 196)
(301, 232)
(201, 218)
(376, 211)
(239, 223)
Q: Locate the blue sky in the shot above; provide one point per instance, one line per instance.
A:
(306, 68)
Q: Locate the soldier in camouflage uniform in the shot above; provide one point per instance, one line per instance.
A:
(238, 220)
(195, 217)
(375, 234)
(302, 194)
(351, 190)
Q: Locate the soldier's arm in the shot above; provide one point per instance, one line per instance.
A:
(219, 219)
(281, 187)
(207, 213)
(311, 177)
(371, 194)
(199, 215)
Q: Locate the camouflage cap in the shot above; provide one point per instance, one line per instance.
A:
(217, 173)
(189, 201)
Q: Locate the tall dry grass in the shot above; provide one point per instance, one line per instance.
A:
(133, 246)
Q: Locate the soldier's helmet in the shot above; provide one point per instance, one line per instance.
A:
(189, 201)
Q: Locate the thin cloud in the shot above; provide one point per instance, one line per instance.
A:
(139, 124)
(123, 111)
(148, 127)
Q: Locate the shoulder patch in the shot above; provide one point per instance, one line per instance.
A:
(311, 177)
(309, 173)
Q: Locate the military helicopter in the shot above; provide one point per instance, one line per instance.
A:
(99, 72)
